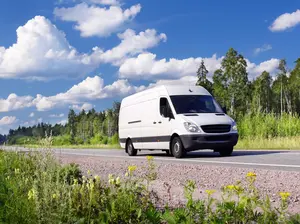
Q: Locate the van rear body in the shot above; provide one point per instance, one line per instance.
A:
(175, 119)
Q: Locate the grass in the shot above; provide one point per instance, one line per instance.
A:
(35, 188)
(288, 143)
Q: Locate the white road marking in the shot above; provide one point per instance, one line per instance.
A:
(188, 160)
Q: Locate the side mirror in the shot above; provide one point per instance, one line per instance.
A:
(224, 109)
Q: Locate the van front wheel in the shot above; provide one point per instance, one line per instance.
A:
(226, 151)
(177, 148)
(130, 149)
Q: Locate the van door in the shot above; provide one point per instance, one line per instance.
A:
(149, 125)
(164, 123)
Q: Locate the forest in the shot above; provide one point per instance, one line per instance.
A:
(266, 107)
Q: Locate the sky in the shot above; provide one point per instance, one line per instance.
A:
(84, 54)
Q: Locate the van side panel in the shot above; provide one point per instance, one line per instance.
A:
(129, 126)
(149, 125)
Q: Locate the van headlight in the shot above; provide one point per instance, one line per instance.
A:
(191, 127)
(234, 127)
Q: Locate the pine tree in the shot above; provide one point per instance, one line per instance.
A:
(72, 125)
(202, 77)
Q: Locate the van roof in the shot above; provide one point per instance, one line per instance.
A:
(170, 90)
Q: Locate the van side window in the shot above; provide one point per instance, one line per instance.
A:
(164, 107)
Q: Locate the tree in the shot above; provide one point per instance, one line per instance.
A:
(72, 125)
(294, 81)
(202, 77)
(231, 83)
(262, 93)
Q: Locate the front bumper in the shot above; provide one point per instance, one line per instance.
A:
(195, 142)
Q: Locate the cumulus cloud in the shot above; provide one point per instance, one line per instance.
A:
(8, 120)
(85, 106)
(92, 20)
(15, 102)
(286, 21)
(31, 114)
(89, 89)
(43, 52)
(132, 43)
(105, 2)
(145, 66)
(265, 47)
(56, 115)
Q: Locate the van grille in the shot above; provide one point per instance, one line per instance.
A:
(219, 128)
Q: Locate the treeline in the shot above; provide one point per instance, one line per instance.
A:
(2, 139)
(83, 128)
(232, 88)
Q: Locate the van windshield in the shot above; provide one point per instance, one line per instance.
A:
(195, 104)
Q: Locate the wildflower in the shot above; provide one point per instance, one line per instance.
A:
(89, 172)
(210, 192)
(54, 196)
(32, 194)
(17, 171)
(111, 179)
(284, 195)
(97, 178)
(118, 181)
(149, 158)
(251, 174)
(131, 169)
(230, 187)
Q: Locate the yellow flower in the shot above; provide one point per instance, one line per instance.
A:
(210, 192)
(251, 174)
(17, 171)
(54, 196)
(97, 178)
(118, 180)
(32, 194)
(284, 195)
(89, 172)
(132, 168)
(149, 158)
(230, 187)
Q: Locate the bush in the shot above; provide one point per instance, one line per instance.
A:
(61, 140)
(97, 139)
(69, 173)
(104, 140)
(115, 139)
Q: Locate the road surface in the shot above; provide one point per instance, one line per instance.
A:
(284, 160)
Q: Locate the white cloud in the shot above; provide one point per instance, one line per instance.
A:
(145, 66)
(8, 120)
(43, 52)
(132, 44)
(105, 2)
(286, 21)
(92, 20)
(31, 114)
(14, 102)
(62, 122)
(56, 115)
(265, 47)
(85, 106)
(255, 70)
(89, 89)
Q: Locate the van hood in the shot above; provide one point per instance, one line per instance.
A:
(207, 118)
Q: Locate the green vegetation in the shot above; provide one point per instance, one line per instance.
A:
(266, 109)
(35, 188)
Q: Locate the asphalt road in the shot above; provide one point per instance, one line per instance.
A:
(264, 159)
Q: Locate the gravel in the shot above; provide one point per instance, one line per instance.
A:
(172, 176)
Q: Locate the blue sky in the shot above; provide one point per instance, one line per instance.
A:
(61, 54)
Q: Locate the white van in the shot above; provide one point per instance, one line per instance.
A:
(175, 119)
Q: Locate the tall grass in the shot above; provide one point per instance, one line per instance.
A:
(260, 125)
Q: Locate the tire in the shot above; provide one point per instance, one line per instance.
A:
(177, 148)
(130, 149)
(226, 151)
